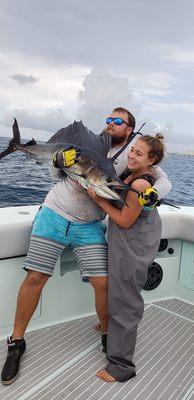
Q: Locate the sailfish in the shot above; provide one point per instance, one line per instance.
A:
(93, 169)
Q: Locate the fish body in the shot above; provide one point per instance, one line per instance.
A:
(42, 153)
(89, 175)
(92, 168)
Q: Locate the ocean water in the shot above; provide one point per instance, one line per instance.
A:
(23, 182)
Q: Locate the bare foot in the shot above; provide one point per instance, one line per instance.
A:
(103, 374)
(97, 327)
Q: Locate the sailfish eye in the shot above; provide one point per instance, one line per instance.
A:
(109, 180)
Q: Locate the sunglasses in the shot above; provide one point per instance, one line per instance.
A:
(116, 121)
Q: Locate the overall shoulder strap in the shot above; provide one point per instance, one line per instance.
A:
(130, 138)
(147, 177)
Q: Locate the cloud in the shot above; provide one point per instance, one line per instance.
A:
(151, 84)
(50, 121)
(57, 86)
(180, 56)
(24, 79)
(102, 91)
(168, 130)
(125, 36)
(168, 107)
(88, 57)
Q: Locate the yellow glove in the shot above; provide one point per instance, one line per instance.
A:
(65, 158)
(149, 198)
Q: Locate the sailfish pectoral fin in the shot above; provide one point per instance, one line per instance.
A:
(31, 142)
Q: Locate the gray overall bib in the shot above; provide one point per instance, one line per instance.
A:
(130, 252)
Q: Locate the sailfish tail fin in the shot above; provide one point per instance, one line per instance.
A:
(13, 142)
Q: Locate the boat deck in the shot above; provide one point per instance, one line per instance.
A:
(61, 361)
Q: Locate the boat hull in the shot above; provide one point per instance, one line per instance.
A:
(65, 296)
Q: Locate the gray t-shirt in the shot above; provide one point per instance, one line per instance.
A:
(72, 202)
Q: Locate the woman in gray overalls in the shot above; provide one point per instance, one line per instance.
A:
(133, 240)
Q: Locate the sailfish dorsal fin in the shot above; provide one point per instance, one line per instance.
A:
(77, 134)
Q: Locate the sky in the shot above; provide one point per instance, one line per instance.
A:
(78, 59)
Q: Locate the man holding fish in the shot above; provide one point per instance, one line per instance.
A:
(68, 208)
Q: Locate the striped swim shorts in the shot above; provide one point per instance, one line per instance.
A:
(51, 234)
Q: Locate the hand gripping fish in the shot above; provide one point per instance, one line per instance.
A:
(93, 169)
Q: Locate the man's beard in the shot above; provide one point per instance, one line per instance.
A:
(116, 140)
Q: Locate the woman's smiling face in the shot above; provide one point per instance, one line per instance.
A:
(138, 157)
